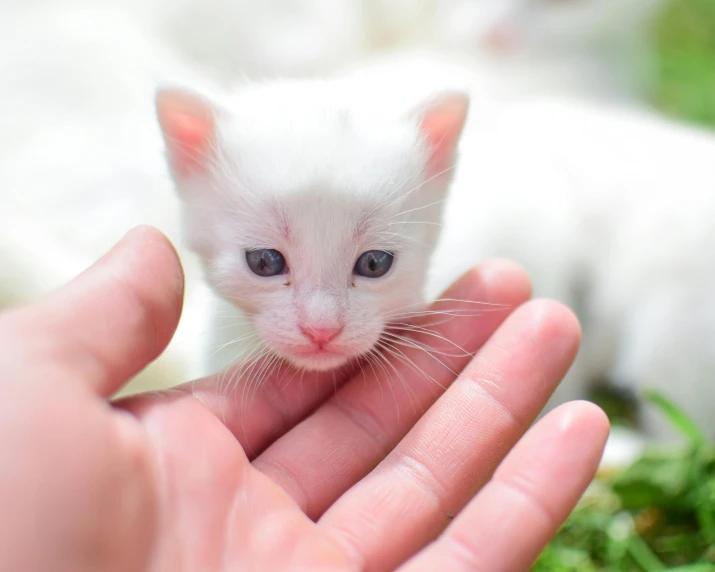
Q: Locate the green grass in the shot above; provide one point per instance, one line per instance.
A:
(658, 514)
(684, 38)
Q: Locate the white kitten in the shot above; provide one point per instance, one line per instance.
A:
(306, 203)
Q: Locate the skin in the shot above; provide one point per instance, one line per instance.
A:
(306, 477)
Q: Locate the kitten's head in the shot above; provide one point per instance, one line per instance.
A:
(313, 210)
(546, 27)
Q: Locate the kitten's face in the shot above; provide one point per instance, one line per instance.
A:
(317, 220)
(545, 27)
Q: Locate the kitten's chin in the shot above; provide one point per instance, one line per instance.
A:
(321, 361)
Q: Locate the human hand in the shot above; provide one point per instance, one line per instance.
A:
(293, 475)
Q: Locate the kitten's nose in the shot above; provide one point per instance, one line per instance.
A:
(321, 336)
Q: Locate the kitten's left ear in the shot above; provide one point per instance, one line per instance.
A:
(441, 122)
(189, 127)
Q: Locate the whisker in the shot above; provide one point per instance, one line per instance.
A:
(370, 358)
(235, 341)
(401, 355)
(411, 344)
(402, 196)
(403, 222)
(400, 377)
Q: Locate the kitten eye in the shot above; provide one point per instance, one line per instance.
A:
(373, 264)
(265, 262)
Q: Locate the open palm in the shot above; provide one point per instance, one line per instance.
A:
(359, 471)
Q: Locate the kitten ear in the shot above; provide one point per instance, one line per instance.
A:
(441, 122)
(189, 127)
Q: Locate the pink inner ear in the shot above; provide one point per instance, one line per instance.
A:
(188, 125)
(442, 126)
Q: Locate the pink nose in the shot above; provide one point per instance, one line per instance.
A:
(321, 336)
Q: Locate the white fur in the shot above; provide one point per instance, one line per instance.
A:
(320, 174)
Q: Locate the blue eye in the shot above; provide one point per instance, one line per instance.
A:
(265, 262)
(373, 263)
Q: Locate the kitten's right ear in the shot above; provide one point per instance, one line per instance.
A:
(189, 126)
(441, 123)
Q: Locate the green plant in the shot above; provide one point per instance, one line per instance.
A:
(684, 38)
(658, 514)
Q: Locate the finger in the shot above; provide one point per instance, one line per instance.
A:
(258, 414)
(339, 444)
(225, 514)
(107, 324)
(456, 446)
(532, 493)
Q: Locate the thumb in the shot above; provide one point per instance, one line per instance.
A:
(106, 325)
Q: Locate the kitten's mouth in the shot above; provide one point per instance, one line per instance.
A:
(318, 351)
(318, 358)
